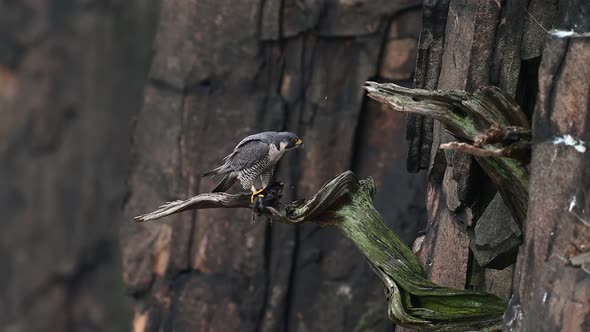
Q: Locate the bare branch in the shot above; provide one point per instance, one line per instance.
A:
(473, 150)
(201, 201)
(503, 135)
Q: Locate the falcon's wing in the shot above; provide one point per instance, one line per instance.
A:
(249, 139)
(247, 154)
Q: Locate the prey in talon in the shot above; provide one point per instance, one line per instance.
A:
(270, 198)
(253, 161)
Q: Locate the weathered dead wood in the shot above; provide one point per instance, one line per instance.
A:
(513, 151)
(347, 204)
(467, 117)
(552, 278)
(505, 135)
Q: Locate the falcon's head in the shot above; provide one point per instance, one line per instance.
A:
(286, 140)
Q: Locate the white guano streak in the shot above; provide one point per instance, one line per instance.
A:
(568, 140)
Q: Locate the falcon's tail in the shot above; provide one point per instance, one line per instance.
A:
(218, 171)
(226, 182)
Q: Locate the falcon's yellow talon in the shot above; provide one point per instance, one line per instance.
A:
(256, 193)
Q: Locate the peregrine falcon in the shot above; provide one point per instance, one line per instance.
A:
(255, 157)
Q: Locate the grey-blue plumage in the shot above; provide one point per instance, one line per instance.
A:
(254, 158)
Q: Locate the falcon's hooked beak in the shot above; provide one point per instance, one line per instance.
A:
(299, 143)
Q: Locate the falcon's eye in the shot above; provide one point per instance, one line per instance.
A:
(296, 141)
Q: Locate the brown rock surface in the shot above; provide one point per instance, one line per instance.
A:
(71, 74)
(222, 70)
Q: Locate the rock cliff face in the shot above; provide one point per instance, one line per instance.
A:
(468, 45)
(71, 74)
(222, 70)
(187, 79)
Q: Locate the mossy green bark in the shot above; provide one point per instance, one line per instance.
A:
(468, 116)
(413, 301)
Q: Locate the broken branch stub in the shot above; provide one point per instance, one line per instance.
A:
(347, 204)
(493, 127)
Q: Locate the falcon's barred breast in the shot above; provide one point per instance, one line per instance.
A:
(255, 157)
